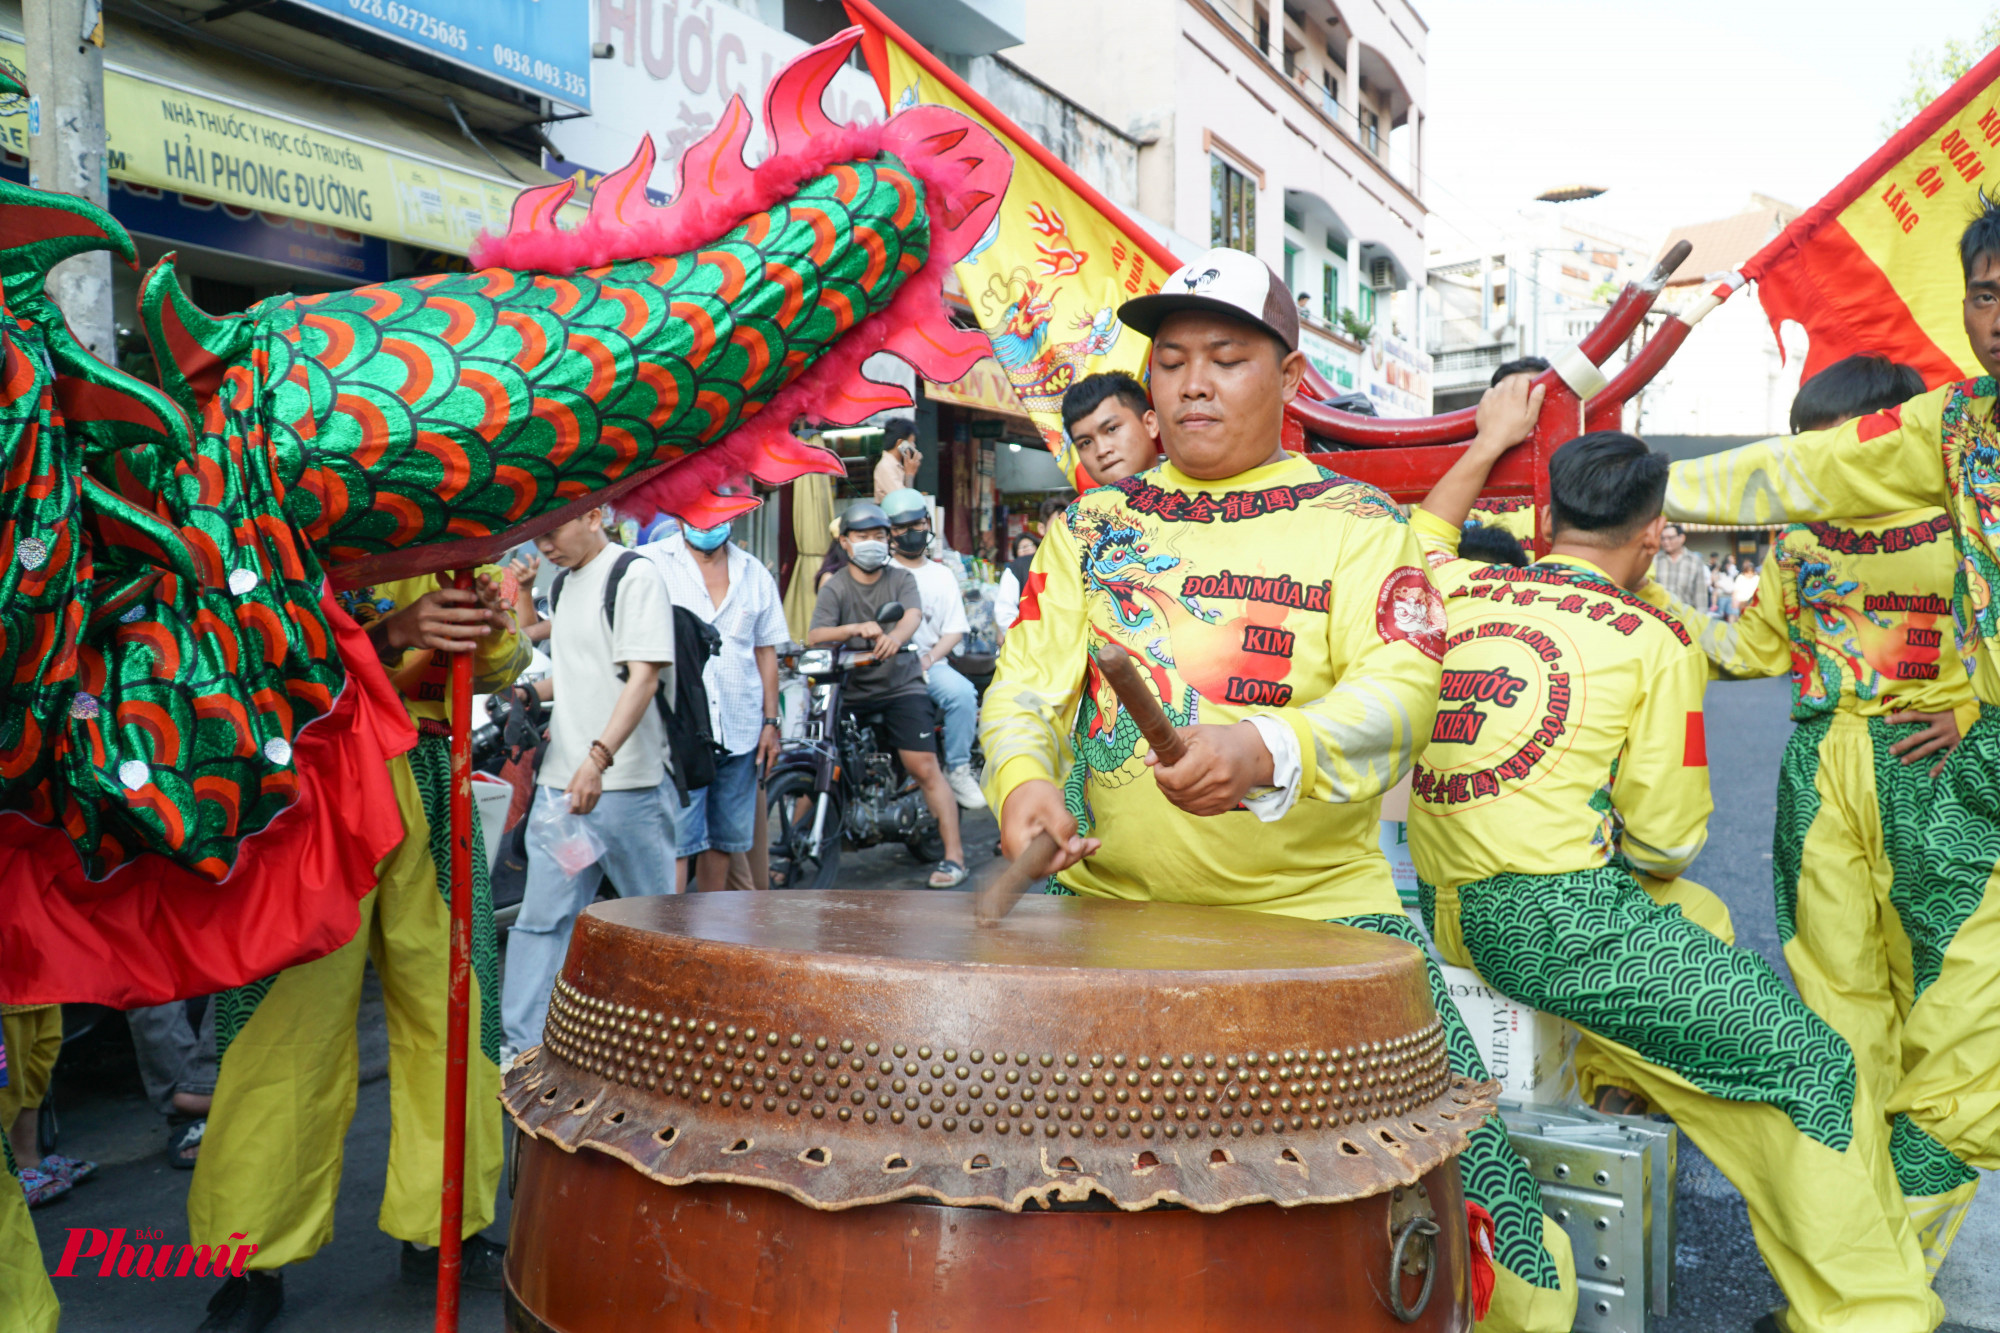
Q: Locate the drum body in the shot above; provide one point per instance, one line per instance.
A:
(831, 1110)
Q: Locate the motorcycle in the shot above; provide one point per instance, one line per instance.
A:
(838, 784)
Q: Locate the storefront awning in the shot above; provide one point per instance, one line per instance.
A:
(186, 118)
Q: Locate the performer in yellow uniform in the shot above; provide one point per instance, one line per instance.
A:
(1567, 758)
(1935, 449)
(1858, 613)
(270, 1163)
(26, 1295)
(1283, 614)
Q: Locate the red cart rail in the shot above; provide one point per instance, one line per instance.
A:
(1407, 457)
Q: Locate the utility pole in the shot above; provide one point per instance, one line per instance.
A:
(65, 49)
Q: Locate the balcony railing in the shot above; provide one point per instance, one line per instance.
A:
(1316, 94)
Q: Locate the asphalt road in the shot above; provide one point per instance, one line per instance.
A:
(1721, 1285)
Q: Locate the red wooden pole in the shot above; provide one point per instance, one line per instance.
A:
(452, 1203)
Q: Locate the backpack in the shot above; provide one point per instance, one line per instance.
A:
(690, 739)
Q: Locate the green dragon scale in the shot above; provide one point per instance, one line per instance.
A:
(168, 551)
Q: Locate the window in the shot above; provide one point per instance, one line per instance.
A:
(1232, 207)
(1371, 131)
(1366, 296)
(1329, 300)
(1291, 263)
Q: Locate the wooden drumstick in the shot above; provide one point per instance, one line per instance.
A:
(997, 896)
(1141, 703)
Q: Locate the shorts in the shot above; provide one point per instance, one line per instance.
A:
(908, 721)
(722, 816)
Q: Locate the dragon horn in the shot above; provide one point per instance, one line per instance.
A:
(41, 230)
(620, 199)
(794, 109)
(536, 209)
(191, 348)
(712, 169)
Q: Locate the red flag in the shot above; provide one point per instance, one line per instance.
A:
(1873, 267)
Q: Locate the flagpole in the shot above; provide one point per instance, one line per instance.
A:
(459, 1002)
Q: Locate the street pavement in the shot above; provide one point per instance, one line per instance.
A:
(352, 1284)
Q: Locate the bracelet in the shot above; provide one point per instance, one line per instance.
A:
(601, 753)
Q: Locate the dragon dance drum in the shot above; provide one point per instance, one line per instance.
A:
(762, 1111)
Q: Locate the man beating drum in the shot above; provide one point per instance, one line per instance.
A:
(1283, 615)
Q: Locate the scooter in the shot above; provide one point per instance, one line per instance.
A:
(838, 784)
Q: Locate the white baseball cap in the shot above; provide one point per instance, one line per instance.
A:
(1228, 282)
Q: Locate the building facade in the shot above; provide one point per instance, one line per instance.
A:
(1535, 290)
(1731, 378)
(1291, 130)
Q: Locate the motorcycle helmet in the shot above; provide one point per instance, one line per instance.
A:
(861, 516)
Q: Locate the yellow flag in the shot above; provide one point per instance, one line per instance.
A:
(1046, 280)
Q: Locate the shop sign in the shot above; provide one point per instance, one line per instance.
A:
(985, 386)
(181, 219)
(271, 161)
(673, 68)
(539, 46)
(1340, 366)
(1396, 377)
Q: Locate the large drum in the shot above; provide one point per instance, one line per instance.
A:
(812, 1111)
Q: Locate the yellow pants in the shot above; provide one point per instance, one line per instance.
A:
(1829, 1221)
(1849, 861)
(34, 1039)
(27, 1299)
(270, 1161)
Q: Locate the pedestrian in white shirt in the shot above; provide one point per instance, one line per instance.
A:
(727, 587)
(605, 762)
(943, 626)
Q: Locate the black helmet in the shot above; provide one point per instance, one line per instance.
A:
(862, 515)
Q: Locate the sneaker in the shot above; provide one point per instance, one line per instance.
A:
(479, 1263)
(42, 1186)
(245, 1304)
(69, 1168)
(948, 875)
(965, 787)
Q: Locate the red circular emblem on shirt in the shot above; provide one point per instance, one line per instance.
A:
(1408, 609)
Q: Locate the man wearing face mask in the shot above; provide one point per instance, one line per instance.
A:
(720, 582)
(891, 683)
(944, 624)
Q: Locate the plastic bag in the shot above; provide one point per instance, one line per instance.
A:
(566, 837)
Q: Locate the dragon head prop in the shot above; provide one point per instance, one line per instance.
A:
(166, 550)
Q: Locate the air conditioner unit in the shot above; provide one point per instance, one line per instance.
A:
(1381, 273)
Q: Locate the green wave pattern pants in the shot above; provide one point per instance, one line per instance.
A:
(1710, 1035)
(1949, 1096)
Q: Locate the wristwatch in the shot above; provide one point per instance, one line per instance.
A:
(772, 722)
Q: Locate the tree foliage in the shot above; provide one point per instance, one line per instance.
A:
(1934, 71)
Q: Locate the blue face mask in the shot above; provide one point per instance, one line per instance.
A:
(706, 539)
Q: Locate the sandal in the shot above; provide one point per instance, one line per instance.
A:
(41, 1187)
(69, 1168)
(184, 1144)
(948, 875)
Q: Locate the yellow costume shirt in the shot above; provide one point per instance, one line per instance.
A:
(1569, 726)
(1936, 449)
(1858, 613)
(1287, 591)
